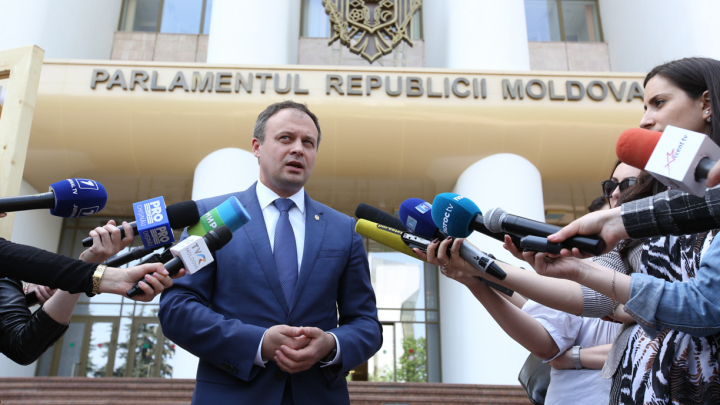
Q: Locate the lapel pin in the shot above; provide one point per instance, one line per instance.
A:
(317, 217)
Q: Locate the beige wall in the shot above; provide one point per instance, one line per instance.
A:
(150, 46)
(378, 149)
(569, 56)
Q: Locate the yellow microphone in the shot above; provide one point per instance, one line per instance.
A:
(385, 235)
(402, 241)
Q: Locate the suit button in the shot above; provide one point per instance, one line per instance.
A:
(279, 375)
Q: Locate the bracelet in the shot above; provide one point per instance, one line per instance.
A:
(576, 357)
(97, 276)
(614, 303)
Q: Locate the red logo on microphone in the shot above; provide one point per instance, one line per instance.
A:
(670, 159)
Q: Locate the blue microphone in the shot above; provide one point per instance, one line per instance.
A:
(71, 198)
(153, 225)
(416, 214)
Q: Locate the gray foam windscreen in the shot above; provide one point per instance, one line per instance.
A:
(493, 220)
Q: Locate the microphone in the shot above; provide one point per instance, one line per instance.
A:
(499, 220)
(403, 241)
(133, 254)
(459, 216)
(229, 213)
(372, 214)
(70, 198)
(417, 214)
(678, 158)
(179, 215)
(188, 252)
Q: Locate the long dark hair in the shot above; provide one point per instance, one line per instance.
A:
(695, 76)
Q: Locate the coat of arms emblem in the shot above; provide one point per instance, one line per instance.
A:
(371, 28)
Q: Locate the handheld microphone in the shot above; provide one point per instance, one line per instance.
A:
(372, 214)
(678, 158)
(179, 215)
(230, 213)
(414, 213)
(403, 242)
(538, 244)
(497, 220)
(133, 254)
(198, 249)
(417, 214)
(31, 299)
(70, 198)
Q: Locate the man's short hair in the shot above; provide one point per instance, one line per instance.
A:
(259, 130)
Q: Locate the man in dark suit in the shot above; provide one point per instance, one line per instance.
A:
(263, 318)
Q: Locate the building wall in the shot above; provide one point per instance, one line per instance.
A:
(644, 33)
(475, 34)
(254, 32)
(68, 29)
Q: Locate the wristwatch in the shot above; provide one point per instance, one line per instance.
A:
(97, 276)
(576, 357)
(330, 356)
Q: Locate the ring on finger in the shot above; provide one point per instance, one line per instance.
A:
(548, 259)
(445, 264)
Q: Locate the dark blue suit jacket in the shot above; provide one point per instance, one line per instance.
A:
(221, 312)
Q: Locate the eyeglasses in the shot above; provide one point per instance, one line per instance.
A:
(609, 186)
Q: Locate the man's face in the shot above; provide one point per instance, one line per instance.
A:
(287, 156)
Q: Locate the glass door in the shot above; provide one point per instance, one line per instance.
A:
(87, 349)
(148, 352)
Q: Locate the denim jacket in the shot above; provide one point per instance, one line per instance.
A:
(694, 306)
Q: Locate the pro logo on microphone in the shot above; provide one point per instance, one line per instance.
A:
(152, 222)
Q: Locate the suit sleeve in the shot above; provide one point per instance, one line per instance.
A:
(187, 319)
(360, 331)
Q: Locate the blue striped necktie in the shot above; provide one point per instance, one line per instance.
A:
(285, 249)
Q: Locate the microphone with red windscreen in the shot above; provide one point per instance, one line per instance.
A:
(679, 158)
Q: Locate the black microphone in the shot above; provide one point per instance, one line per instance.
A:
(180, 215)
(497, 220)
(214, 240)
(31, 299)
(372, 214)
(133, 254)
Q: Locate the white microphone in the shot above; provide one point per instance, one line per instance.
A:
(678, 158)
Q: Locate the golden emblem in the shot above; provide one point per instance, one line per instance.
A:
(371, 28)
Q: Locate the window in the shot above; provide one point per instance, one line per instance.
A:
(166, 16)
(563, 20)
(315, 22)
(406, 291)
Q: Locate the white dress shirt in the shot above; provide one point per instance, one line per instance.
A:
(271, 214)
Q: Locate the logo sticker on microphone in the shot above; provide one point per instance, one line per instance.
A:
(152, 222)
(423, 208)
(85, 184)
(193, 252)
(446, 219)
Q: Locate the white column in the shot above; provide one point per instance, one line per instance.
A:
(251, 32)
(475, 34)
(68, 29)
(475, 350)
(631, 31)
(225, 171)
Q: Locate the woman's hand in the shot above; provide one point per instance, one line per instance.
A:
(156, 277)
(621, 316)
(107, 242)
(441, 258)
(547, 264)
(42, 292)
(463, 278)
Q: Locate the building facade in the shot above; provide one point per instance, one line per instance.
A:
(515, 104)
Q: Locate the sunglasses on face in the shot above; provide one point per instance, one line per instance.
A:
(609, 186)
